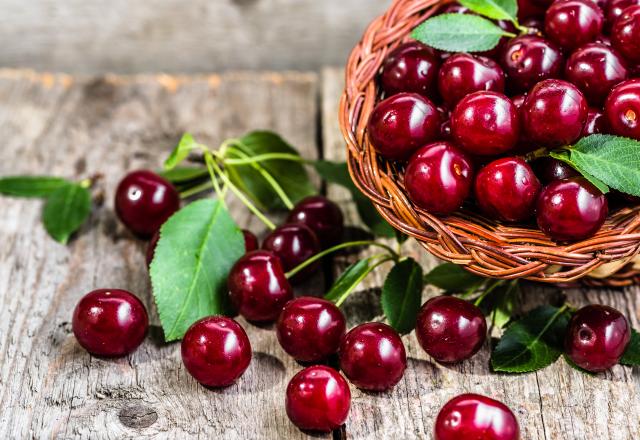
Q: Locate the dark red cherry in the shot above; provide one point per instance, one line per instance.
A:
(412, 67)
(258, 287)
(554, 113)
(534, 25)
(472, 416)
(596, 123)
(450, 329)
(310, 329)
(438, 178)
(486, 124)
(595, 69)
(507, 189)
(401, 124)
(625, 35)
(531, 9)
(573, 23)
(151, 247)
(294, 243)
(110, 322)
(372, 356)
(144, 201)
(216, 351)
(321, 215)
(318, 399)
(597, 337)
(614, 10)
(571, 209)
(250, 241)
(622, 109)
(529, 59)
(549, 169)
(455, 8)
(462, 74)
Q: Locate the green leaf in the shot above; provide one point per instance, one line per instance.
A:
(198, 246)
(66, 209)
(533, 342)
(338, 173)
(289, 174)
(181, 151)
(505, 306)
(496, 9)
(349, 280)
(402, 295)
(182, 175)
(631, 355)
(452, 278)
(564, 156)
(31, 186)
(459, 33)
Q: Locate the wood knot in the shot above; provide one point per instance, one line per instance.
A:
(137, 416)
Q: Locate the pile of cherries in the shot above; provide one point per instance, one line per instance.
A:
(449, 115)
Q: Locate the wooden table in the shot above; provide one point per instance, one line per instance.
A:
(50, 387)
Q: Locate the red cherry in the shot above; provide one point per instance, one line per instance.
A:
(472, 416)
(250, 241)
(573, 23)
(412, 67)
(321, 215)
(318, 399)
(401, 124)
(549, 169)
(529, 59)
(531, 9)
(614, 10)
(462, 74)
(597, 337)
(625, 35)
(372, 356)
(438, 178)
(294, 243)
(310, 329)
(596, 123)
(216, 351)
(110, 322)
(258, 287)
(622, 109)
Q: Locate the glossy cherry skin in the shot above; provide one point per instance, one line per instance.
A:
(596, 123)
(554, 113)
(401, 124)
(450, 329)
(258, 287)
(622, 109)
(573, 23)
(549, 169)
(625, 35)
(110, 322)
(531, 9)
(323, 217)
(462, 74)
(597, 337)
(293, 243)
(507, 189)
(486, 124)
(318, 399)
(472, 416)
(528, 59)
(571, 209)
(373, 357)
(216, 351)
(595, 69)
(310, 329)
(438, 178)
(144, 201)
(250, 241)
(412, 67)
(615, 8)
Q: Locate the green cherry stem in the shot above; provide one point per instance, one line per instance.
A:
(264, 158)
(196, 190)
(487, 291)
(383, 259)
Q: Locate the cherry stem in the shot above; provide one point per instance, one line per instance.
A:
(385, 257)
(536, 154)
(196, 189)
(487, 291)
(265, 157)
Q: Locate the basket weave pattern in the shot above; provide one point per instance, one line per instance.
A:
(483, 246)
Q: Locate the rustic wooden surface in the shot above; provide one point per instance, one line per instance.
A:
(50, 387)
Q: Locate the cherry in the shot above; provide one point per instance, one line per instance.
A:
(622, 109)
(549, 169)
(110, 322)
(258, 287)
(571, 209)
(250, 241)
(597, 337)
(531, 9)
(321, 215)
(595, 69)
(412, 67)
(151, 247)
(318, 399)
(485, 123)
(507, 189)
(450, 329)
(310, 329)
(372, 356)
(144, 201)
(572, 23)
(554, 113)
(401, 124)
(472, 416)
(216, 351)
(533, 25)
(625, 35)
(614, 10)
(462, 74)
(596, 123)
(293, 243)
(438, 178)
(529, 59)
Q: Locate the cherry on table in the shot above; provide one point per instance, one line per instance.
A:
(322, 216)
(216, 351)
(294, 243)
(528, 59)
(462, 74)
(573, 23)
(549, 169)
(625, 35)
(622, 109)
(412, 67)
(110, 322)
(250, 241)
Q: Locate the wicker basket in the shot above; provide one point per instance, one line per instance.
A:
(481, 245)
